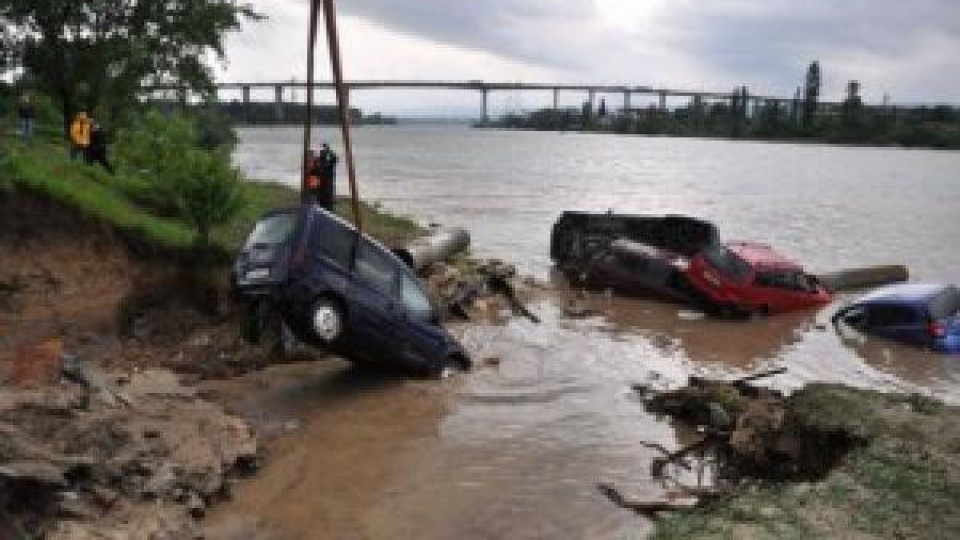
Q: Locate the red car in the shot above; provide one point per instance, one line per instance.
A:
(744, 278)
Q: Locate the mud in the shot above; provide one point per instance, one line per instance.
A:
(144, 458)
(97, 440)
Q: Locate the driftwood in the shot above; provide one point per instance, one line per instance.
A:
(656, 468)
(668, 502)
(499, 284)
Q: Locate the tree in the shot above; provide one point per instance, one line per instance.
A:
(211, 193)
(87, 53)
(174, 174)
(811, 95)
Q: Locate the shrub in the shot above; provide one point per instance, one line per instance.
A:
(167, 169)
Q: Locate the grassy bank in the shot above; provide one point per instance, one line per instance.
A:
(43, 167)
(903, 482)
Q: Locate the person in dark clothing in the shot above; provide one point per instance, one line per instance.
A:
(314, 179)
(27, 115)
(326, 165)
(97, 151)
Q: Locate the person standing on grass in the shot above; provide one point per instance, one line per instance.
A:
(97, 152)
(27, 115)
(80, 133)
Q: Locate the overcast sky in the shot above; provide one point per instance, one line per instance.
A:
(906, 48)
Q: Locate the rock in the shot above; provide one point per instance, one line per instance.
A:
(769, 512)
(157, 383)
(34, 365)
(75, 508)
(39, 472)
(104, 497)
(578, 310)
(719, 417)
(196, 506)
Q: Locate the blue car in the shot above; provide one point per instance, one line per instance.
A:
(337, 289)
(924, 315)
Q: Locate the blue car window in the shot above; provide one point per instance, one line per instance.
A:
(272, 230)
(890, 315)
(374, 268)
(333, 241)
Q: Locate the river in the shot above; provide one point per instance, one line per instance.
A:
(515, 450)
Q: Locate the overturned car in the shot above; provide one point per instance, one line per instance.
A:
(681, 259)
(332, 287)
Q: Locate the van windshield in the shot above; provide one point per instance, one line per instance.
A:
(272, 230)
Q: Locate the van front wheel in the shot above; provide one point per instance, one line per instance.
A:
(327, 320)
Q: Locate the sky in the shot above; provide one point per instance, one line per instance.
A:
(904, 48)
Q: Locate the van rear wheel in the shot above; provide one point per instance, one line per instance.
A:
(327, 320)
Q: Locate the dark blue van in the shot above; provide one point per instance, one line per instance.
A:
(340, 290)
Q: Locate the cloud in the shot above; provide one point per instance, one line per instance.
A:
(905, 48)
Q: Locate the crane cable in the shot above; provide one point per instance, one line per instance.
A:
(343, 99)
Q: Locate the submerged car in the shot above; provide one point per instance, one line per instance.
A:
(682, 259)
(743, 277)
(341, 290)
(927, 315)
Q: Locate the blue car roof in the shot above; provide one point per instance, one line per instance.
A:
(911, 293)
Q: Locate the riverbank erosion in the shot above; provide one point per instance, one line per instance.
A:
(110, 317)
(825, 462)
(100, 437)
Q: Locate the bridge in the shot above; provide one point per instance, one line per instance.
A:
(484, 89)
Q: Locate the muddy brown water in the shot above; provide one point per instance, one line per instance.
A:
(515, 450)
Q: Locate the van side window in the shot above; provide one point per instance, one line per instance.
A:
(413, 298)
(375, 268)
(334, 242)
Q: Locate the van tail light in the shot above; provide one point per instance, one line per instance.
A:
(937, 329)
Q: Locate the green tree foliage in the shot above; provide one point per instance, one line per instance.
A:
(88, 53)
(171, 172)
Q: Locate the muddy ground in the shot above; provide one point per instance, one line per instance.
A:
(102, 341)
(112, 417)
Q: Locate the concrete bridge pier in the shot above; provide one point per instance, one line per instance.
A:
(245, 90)
(485, 94)
(556, 99)
(626, 102)
(592, 100)
(663, 102)
(278, 103)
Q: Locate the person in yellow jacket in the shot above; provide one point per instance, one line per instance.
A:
(80, 131)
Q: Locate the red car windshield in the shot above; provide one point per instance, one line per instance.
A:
(727, 262)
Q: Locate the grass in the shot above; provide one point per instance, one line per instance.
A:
(43, 167)
(904, 483)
